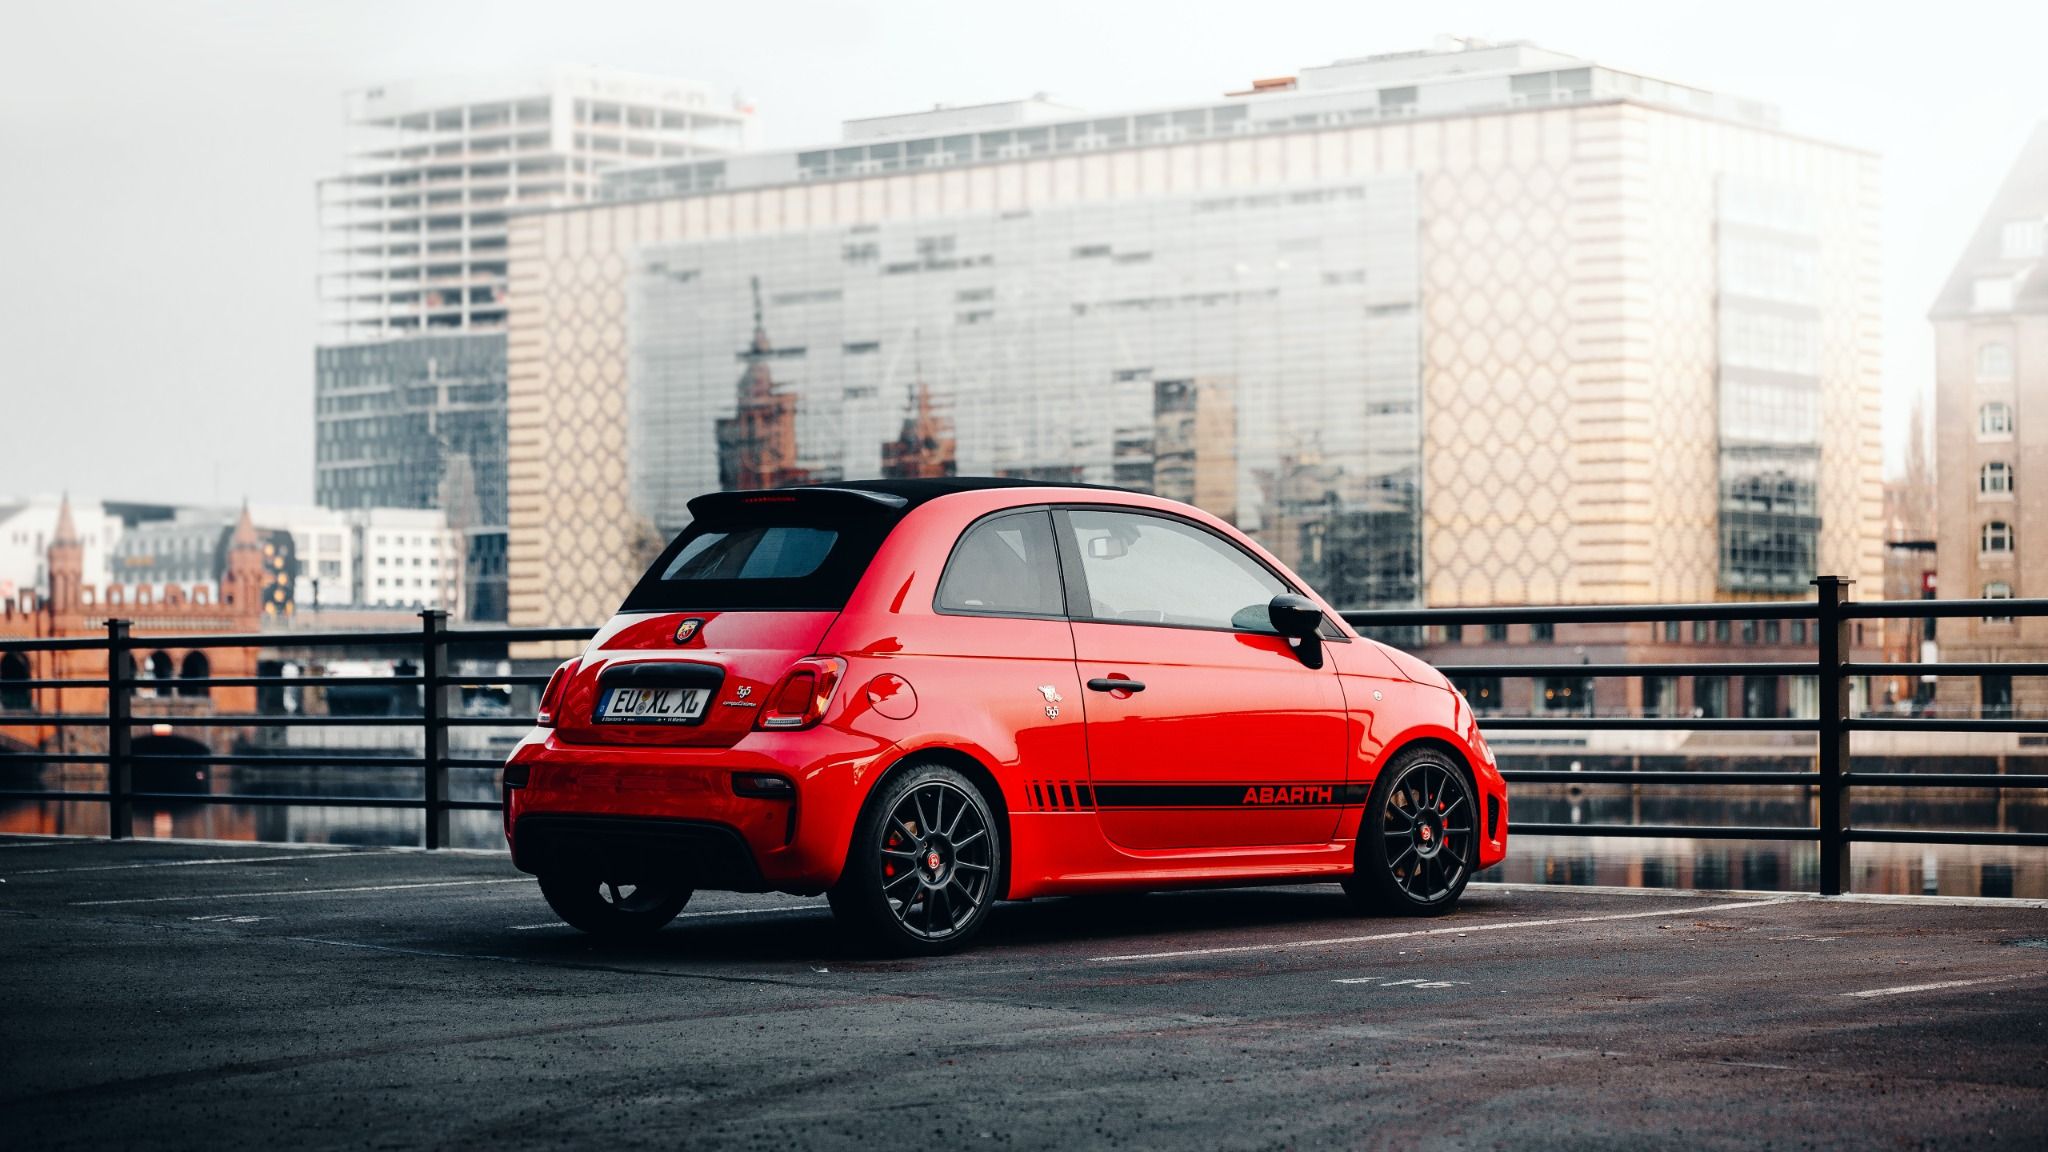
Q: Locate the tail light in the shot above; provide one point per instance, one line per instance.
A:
(800, 699)
(552, 694)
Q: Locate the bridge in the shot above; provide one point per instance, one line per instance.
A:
(176, 995)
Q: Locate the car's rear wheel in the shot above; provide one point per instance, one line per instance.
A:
(1418, 841)
(612, 908)
(926, 860)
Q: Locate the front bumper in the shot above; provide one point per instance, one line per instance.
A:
(677, 807)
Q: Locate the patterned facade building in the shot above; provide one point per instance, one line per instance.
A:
(1496, 326)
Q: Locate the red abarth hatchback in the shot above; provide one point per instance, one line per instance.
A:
(924, 696)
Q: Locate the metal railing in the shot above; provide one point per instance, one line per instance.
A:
(1832, 614)
(429, 648)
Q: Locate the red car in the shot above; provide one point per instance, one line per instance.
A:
(924, 696)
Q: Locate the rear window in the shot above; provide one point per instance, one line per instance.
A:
(769, 552)
(748, 551)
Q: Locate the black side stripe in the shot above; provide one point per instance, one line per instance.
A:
(1230, 795)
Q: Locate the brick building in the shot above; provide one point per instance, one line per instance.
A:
(43, 719)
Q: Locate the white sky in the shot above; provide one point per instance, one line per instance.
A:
(158, 157)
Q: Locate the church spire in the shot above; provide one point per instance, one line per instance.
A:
(65, 560)
(67, 529)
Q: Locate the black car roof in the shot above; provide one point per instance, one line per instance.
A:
(915, 492)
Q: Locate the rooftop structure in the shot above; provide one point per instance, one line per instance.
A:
(413, 228)
(1455, 78)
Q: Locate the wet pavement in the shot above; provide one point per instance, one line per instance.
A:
(176, 995)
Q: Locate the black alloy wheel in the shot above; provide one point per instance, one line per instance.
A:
(926, 861)
(1418, 843)
(612, 908)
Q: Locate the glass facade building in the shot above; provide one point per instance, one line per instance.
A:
(419, 423)
(1768, 239)
(414, 423)
(1485, 325)
(1254, 352)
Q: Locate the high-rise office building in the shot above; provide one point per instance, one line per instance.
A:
(1481, 325)
(1991, 440)
(410, 386)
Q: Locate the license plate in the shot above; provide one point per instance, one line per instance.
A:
(654, 705)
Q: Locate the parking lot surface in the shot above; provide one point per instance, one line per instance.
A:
(182, 995)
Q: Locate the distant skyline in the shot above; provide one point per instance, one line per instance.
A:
(157, 234)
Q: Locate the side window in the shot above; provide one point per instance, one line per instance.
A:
(1153, 570)
(1005, 566)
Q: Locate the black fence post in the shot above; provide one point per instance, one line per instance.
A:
(434, 722)
(120, 733)
(1833, 642)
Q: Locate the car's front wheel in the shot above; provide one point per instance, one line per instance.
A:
(615, 909)
(926, 861)
(1418, 841)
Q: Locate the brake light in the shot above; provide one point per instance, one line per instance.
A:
(805, 691)
(551, 695)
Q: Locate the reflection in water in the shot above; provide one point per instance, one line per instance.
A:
(1772, 866)
(1767, 865)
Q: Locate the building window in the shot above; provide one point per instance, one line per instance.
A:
(194, 667)
(1749, 631)
(1759, 696)
(1995, 419)
(1482, 692)
(1994, 362)
(1565, 694)
(1996, 537)
(1454, 633)
(1660, 695)
(1722, 631)
(1995, 478)
(1542, 633)
(15, 695)
(1699, 631)
(1672, 632)
(1998, 590)
(160, 669)
(1799, 631)
(2020, 240)
(1995, 696)
(1992, 294)
(1710, 696)
(1497, 633)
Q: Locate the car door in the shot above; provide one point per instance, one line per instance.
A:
(1205, 730)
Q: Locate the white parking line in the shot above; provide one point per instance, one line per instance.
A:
(195, 863)
(1903, 989)
(694, 915)
(298, 892)
(1460, 930)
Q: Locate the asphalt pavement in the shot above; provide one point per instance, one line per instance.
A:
(181, 995)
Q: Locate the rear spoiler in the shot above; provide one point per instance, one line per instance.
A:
(718, 505)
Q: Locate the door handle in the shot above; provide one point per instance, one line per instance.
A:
(1107, 684)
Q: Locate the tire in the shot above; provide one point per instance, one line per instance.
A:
(924, 866)
(1419, 839)
(612, 910)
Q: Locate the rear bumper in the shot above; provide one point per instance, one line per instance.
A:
(677, 807)
(697, 853)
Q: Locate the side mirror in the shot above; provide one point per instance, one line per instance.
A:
(1298, 619)
(1294, 616)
